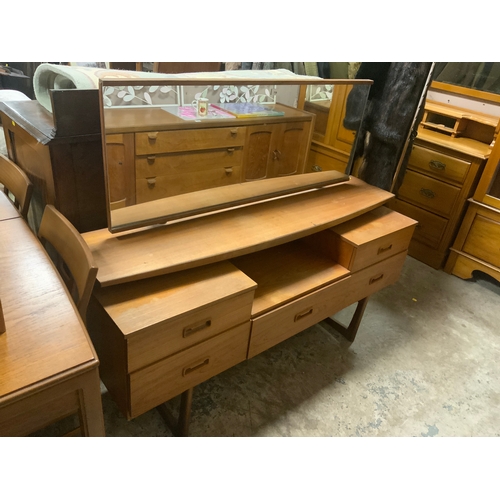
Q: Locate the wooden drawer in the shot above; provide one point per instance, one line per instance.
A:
(483, 240)
(172, 141)
(439, 165)
(286, 321)
(430, 227)
(164, 186)
(171, 376)
(163, 315)
(183, 164)
(426, 192)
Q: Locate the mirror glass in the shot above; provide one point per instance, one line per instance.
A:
(482, 76)
(175, 148)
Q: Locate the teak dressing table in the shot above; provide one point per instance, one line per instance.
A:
(180, 299)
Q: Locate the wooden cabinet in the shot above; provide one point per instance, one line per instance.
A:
(442, 173)
(163, 331)
(179, 156)
(477, 246)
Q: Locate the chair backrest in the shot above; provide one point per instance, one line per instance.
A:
(16, 182)
(74, 253)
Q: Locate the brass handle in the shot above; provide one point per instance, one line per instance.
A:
(384, 249)
(191, 369)
(196, 327)
(151, 182)
(317, 168)
(427, 193)
(229, 170)
(303, 314)
(376, 278)
(277, 154)
(152, 136)
(437, 165)
(151, 159)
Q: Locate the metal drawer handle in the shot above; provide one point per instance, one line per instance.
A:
(384, 249)
(191, 369)
(437, 165)
(303, 314)
(317, 168)
(196, 327)
(276, 154)
(151, 182)
(376, 278)
(427, 193)
(152, 136)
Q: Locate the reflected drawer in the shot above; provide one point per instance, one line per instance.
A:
(439, 165)
(286, 321)
(430, 227)
(156, 187)
(172, 141)
(429, 193)
(171, 376)
(187, 163)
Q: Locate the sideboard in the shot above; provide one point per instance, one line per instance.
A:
(179, 303)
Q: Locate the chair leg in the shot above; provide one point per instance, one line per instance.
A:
(350, 331)
(179, 428)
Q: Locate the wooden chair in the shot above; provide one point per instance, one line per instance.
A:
(73, 260)
(15, 183)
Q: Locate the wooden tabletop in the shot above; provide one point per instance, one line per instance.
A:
(220, 236)
(45, 339)
(7, 209)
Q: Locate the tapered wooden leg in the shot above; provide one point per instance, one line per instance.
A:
(180, 427)
(350, 331)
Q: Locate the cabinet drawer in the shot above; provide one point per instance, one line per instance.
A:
(172, 141)
(195, 163)
(286, 321)
(430, 227)
(439, 165)
(429, 193)
(166, 314)
(483, 240)
(171, 376)
(154, 188)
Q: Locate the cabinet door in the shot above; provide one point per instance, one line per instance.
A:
(258, 148)
(121, 169)
(289, 155)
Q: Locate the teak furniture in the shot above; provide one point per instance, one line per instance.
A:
(182, 302)
(48, 366)
(447, 160)
(153, 154)
(15, 185)
(7, 208)
(477, 246)
(61, 153)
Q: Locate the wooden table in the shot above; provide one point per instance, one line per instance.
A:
(48, 366)
(7, 209)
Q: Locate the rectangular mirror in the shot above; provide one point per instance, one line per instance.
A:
(182, 147)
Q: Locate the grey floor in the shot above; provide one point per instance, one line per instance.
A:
(425, 362)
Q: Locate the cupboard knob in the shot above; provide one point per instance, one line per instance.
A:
(151, 182)
(234, 131)
(152, 136)
(230, 150)
(437, 165)
(276, 154)
(229, 170)
(151, 159)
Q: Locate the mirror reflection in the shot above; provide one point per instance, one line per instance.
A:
(165, 140)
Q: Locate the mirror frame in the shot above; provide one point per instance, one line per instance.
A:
(187, 206)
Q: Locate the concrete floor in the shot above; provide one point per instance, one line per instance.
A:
(424, 363)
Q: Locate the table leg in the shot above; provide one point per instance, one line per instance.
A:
(350, 331)
(179, 428)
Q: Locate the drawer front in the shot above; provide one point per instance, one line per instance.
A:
(436, 196)
(195, 163)
(284, 322)
(157, 187)
(177, 334)
(430, 227)
(173, 141)
(483, 240)
(439, 165)
(169, 377)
